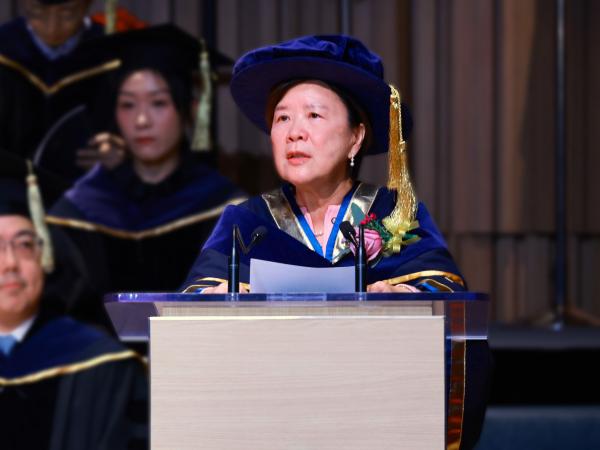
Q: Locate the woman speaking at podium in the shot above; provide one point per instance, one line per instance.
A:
(325, 105)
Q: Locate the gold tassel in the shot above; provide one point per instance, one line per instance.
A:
(38, 217)
(110, 13)
(201, 137)
(402, 218)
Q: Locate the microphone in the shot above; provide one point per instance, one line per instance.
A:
(360, 255)
(257, 235)
(233, 268)
(348, 231)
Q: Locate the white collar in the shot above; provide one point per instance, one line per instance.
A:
(20, 332)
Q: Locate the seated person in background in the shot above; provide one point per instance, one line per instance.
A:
(69, 285)
(46, 76)
(325, 104)
(63, 385)
(140, 225)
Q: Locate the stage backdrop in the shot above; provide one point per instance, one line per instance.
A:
(479, 76)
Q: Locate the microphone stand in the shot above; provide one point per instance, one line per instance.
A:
(360, 274)
(233, 266)
(360, 254)
(237, 244)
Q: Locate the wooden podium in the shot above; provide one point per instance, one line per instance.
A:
(319, 371)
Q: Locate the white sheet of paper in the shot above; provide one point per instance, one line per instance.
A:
(272, 277)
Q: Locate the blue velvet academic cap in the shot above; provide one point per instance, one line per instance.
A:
(342, 61)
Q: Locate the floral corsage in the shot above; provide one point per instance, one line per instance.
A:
(379, 241)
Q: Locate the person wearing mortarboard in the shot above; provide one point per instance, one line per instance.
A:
(63, 384)
(325, 104)
(142, 223)
(46, 75)
(69, 285)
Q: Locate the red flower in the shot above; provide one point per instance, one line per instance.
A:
(124, 20)
(368, 218)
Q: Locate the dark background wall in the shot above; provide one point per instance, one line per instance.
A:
(479, 76)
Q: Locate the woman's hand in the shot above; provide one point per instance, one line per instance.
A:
(104, 148)
(222, 289)
(382, 286)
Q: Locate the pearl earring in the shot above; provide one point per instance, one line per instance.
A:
(352, 161)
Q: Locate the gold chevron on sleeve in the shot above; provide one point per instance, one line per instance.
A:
(138, 235)
(426, 273)
(63, 82)
(68, 368)
(201, 283)
(439, 286)
(191, 289)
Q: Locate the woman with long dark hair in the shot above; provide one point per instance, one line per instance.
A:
(142, 222)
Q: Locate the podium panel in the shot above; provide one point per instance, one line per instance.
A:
(297, 382)
(305, 371)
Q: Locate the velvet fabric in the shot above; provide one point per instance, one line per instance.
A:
(429, 253)
(68, 386)
(119, 199)
(38, 351)
(103, 210)
(340, 60)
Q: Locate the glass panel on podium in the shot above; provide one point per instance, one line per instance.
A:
(466, 313)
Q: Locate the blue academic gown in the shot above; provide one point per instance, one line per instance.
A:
(425, 264)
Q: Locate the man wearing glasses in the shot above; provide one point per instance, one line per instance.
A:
(21, 279)
(63, 384)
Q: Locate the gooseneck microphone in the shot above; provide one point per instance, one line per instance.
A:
(233, 267)
(360, 282)
(348, 231)
(257, 235)
(360, 255)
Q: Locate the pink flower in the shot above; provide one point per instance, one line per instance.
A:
(373, 243)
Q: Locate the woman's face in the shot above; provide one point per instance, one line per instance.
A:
(311, 136)
(147, 117)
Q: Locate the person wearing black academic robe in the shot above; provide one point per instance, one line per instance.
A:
(137, 236)
(68, 386)
(38, 94)
(70, 284)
